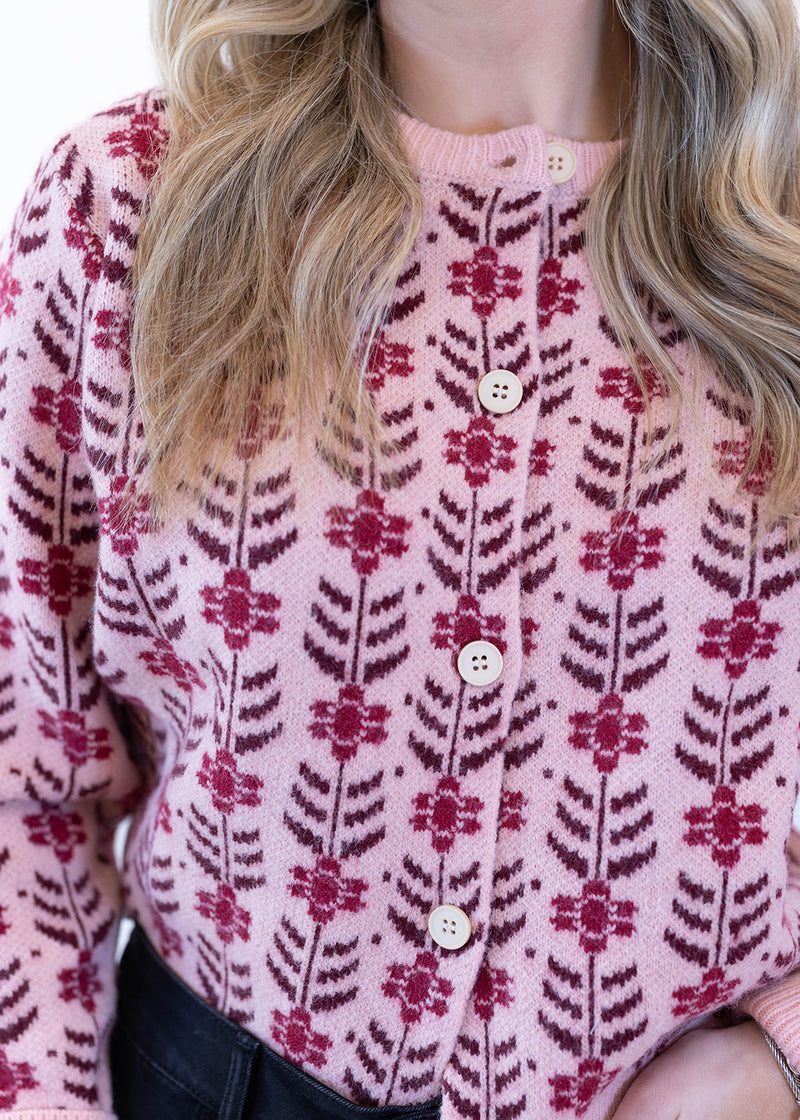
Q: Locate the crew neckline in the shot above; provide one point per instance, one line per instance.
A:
(512, 155)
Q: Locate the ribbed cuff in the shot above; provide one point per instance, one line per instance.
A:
(55, 1114)
(777, 1009)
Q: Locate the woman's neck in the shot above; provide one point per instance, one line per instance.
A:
(484, 65)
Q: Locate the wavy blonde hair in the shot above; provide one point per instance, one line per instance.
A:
(285, 209)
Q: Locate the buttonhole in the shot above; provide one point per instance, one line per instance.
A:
(509, 161)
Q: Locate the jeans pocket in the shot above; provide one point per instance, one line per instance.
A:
(142, 1090)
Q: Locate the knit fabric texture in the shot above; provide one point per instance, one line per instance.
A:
(268, 678)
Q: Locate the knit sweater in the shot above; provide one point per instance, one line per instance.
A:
(272, 677)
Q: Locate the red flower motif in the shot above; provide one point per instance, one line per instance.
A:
(528, 628)
(326, 891)
(739, 639)
(388, 359)
(540, 459)
(367, 531)
(480, 450)
(81, 983)
(53, 829)
(620, 382)
(124, 516)
(724, 826)
(144, 139)
(10, 288)
(733, 456)
(164, 817)
(228, 786)
(608, 732)
(446, 813)
(485, 280)
(6, 627)
(61, 411)
(466, 624)
(230, 920)
(78, 235)
(593, 916)
(418, 987)
(169, 940)
(576, 1093)
(556, 293)
(348, 722)
(163, 661)
(492, 990)
(299, 1043)
(114, 333)
(240, 610)
(58, 579)
(262, 426)
(511, 805)
(713, 991)
(622, 550)
(79, 744)
(15, 1078)
(4, 925)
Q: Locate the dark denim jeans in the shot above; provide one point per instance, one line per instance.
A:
(173, 1057)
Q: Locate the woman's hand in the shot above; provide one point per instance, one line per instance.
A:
(725, 1074)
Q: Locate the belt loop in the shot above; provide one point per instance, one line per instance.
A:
(239, 1076)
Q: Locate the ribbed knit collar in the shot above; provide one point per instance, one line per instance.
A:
(434, 152)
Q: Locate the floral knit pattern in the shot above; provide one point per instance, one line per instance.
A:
(268, 678)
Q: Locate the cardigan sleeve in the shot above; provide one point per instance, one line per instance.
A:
(776, 1007)
(65, 772)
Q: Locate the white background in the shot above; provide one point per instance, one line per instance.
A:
(61, 61)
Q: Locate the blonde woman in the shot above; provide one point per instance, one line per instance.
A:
(399, 420)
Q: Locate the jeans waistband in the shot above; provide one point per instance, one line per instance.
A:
(231, 1072)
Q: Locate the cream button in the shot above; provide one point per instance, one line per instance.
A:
(561, 162)
(500, 390)
(449, 927)
(480, 663)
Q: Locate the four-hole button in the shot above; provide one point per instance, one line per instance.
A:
(480, 663)
(449, 927)
(500, 390)
(561, 161)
